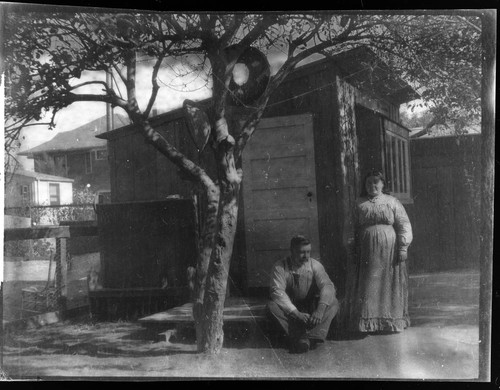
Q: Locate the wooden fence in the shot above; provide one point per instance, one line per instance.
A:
(446, 194)
(55, 296)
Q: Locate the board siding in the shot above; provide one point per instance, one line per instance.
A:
(279, 192)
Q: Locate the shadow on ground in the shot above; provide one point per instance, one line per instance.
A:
(441, 343)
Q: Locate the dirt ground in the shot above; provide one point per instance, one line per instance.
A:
(442, 343)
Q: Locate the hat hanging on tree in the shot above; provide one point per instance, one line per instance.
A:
(250, 76)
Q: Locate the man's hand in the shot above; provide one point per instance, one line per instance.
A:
(317, 315)
(302, 317)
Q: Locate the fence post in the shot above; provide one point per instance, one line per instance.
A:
(61, 273)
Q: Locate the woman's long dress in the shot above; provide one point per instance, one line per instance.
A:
(381, 287)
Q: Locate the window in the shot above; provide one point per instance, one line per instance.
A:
(88, 163)
(397, 160)
(54, 194)
(60, 165)
(25, 192)
(101, 154)
(104, 197)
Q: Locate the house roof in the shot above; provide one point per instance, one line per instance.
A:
(41, 176)
(81, 138)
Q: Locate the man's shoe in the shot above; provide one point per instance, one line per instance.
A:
(302, 345)
(315, 343)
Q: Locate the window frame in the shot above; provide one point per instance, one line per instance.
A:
(100, 150)
(396, 149)
(88, 165)
(25, 192)
(58, 194)
(64, 160)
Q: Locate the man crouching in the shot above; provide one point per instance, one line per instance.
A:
(303, 301)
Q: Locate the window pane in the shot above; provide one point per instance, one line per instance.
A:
(54, 194)
(101, 154)
(404, 166)
(400, 166)
(389, 162)
(88, 163)
(394, 172)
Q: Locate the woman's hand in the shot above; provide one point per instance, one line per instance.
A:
(402, 256)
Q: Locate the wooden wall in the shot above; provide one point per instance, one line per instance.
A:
(142, 243)
(139, 171)
(446, 193)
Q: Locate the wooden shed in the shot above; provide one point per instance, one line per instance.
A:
(327, 124)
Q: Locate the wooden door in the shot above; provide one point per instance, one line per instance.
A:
(279, 192)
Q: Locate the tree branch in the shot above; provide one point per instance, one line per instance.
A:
(106, 87)
(156, 87)
(230, 31)
(259, 29)
(120, 73)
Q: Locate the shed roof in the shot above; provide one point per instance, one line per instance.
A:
(81, 138)
(41, 176)
(364, 69)
(360, 67)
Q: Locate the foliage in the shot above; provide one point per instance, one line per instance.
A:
(420, 119)
(84, 195)
(30, 249)
(56, 214)
(442, 54)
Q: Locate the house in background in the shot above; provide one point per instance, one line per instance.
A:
(24, 188)
(328, 123)
(77, 154)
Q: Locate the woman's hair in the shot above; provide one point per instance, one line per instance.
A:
(298, 241)
(380, 176)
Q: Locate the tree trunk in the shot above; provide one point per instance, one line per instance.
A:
(205, 252)
(216, 283)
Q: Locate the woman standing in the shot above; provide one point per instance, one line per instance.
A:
(383, 234)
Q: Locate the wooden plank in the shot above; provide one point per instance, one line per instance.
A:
(34, 233)
(124, 170)
(446, 219)
(139, 292)
(144, 242)
(280, 189)
(370, 153)
(62, 272)
(425, 247)
(83, 231)
(144, 169)
(396, 128)
(235, 310)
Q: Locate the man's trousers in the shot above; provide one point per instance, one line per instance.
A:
(296, 329)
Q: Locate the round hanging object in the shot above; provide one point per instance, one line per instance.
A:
(250, 77)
